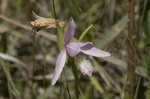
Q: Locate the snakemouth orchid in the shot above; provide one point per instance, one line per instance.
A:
(73, 49)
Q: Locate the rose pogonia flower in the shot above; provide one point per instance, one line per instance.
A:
(73, 49)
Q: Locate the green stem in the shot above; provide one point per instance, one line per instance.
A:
(85, 32)
(77, 82)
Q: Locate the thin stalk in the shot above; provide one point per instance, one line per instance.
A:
(131, 34)
(4, 42)
(68, 91)
(77, 82)
(34, 51)
(44, 75)
(59, 31)
(35, 39)
(85, 32)
(54, 11)
(137, 88)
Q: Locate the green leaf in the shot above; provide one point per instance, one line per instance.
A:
(147, 93)
(11, 85)
(85, 32)
(96, 84)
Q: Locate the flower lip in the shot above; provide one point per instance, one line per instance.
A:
(85, 66)
(73, 48)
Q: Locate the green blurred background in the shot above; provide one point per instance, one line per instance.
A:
(27, 59)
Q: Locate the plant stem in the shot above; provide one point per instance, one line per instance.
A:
(77, 82)
(54, 11)
(131, 34)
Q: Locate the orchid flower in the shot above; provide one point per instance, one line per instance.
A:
(73, 49)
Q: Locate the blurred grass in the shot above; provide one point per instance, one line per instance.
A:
(47, 92)
(112, 33)
(102, 22)
(97, 85)
(146, 57)
(11, 85)
(18, 4)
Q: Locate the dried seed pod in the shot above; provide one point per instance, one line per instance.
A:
(45, 23)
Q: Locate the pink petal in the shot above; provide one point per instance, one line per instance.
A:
(60, 63)
(73, 48)
(69, 33)
(95, 52)
(86, 46)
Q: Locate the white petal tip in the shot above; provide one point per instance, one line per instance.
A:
(53, 83)
(107, 54)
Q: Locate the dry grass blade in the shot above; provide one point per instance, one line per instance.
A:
(3, 28)
(122, 66)
(3, 5)
(11, 58)
(113, 32)
(107, 78)
(11, 85)
(28, 28)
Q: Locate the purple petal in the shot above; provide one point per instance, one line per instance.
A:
(95, 52)
(60, 63)
(69, 33)
(73, 48)
(86, 46)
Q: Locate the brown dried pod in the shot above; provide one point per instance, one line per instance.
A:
(45, 23)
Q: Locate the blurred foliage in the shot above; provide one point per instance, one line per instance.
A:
(27, 58)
